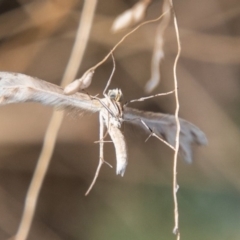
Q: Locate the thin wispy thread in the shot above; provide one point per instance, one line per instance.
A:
(122, 39)
(74, 62)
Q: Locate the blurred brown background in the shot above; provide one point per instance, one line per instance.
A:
(36, 38)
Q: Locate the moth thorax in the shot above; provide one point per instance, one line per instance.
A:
(115, 94)
(115, 122)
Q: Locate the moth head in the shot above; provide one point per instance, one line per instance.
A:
(115, 94)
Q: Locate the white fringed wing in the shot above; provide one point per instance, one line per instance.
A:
(16, 88)
(164, 126)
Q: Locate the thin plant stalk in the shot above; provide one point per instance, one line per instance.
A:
(178, 129)
(74, 62)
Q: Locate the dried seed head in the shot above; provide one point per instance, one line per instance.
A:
(131, 16)
(139, 11)
(123, 21)
(72, 88)
(86, 79)
(79, 84)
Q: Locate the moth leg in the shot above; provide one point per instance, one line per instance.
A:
(101, 152)
(155, 135)
(110, 78)
(148, 97)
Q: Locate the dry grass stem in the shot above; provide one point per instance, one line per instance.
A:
(175, 184)
(55, 122)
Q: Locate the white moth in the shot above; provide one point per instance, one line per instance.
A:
(112, 116)
(16, 88)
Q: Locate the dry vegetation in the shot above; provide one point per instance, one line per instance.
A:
(37, 38)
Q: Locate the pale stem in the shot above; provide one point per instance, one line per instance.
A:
(175, 184)
(74, 62)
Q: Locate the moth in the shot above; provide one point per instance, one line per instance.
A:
(17, 88)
